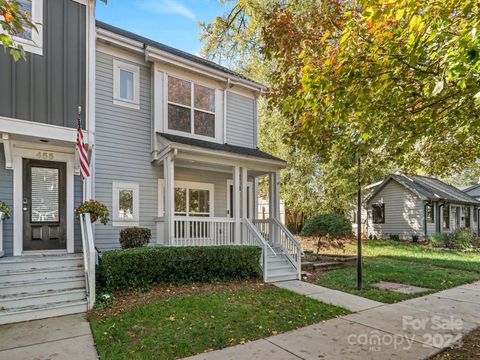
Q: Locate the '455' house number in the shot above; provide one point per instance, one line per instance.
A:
(42, 155)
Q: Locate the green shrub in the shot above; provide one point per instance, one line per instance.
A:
(133, 237)
(439, 240)
(140, 267)
(328, 225)
(461, 239)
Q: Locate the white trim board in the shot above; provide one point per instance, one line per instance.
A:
(125, 185)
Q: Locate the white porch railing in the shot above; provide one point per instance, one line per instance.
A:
(88, 258)
(202, 231)
(1, 234)
(252, 236)
(273, 231)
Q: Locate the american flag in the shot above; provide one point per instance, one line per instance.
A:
(82, 154)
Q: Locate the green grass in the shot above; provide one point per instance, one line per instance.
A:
(184, 326)
(387, 269)
(419, 253)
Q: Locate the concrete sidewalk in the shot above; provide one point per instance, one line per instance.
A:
(347, 301)
(65, 337)
(412, 329)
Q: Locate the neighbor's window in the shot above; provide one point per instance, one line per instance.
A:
(125, 204)
(467, 216)
(430, 213)
(191, 107)
(31, 39)
(446, 217)
(378, 213)
(126, 84)
(475, 214)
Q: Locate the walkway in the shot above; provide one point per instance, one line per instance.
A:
(412, 329)
(66, 337)
(350, 302)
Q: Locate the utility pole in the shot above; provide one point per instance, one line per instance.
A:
(359, 228)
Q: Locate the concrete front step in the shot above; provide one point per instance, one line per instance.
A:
(12, 301)
(279, 266)
(43, 311)
(29, 286)
(40, 273)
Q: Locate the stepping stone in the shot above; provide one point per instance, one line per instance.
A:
(401, 288)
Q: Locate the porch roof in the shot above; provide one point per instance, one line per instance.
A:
(240, 150)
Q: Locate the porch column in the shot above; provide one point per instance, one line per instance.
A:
(255, 199)
(236, 203)
(169, 180)
(277, 195)
(244, 198)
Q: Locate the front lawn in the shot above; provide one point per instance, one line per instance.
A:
(181, 326)
(404, 263)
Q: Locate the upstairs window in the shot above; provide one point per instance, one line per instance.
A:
(31, 38)
(126, 84)
(191, 108)
(378, 213)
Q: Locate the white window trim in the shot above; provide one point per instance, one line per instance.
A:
(117, 100)
(122, 185)
(185, 185)
(217, 113)
(34, 46)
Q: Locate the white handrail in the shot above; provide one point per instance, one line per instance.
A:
(252, 236)
(88, 258)
(290, 245)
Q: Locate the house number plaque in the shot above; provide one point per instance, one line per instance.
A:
(42, 155)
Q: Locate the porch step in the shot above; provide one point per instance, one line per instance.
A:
(35, 287)
(42, 311)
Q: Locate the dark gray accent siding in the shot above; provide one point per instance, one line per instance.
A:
(123, 137)
(49, 88)
(77, 199)
(6, 195)
(240, 120)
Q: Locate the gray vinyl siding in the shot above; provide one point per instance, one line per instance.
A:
(240, 120)
(77, 199)
(49, 88)
(6, 195)
(123, 149)
(403, 212)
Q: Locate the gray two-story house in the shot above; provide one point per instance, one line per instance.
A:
(172, 143)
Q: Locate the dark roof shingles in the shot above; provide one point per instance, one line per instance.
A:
(220, 147)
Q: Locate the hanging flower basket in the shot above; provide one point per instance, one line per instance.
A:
(4, 211)
(96, 210)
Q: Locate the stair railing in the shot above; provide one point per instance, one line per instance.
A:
(88, 258)
(252, 236)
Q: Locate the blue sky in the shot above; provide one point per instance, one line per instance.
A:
(172, 22)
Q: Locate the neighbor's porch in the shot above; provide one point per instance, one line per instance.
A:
(205, 200)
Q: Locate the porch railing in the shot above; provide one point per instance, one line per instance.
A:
(88, 258)
(252, 236)
(279, 236)
(202, 231)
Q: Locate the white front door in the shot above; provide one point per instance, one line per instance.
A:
(250, 201)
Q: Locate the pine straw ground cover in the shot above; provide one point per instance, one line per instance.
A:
(170, 322)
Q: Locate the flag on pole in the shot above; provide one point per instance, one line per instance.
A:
(82, 154)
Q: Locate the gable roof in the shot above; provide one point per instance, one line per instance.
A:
(171, 50)
(428, 188)
(471, 187)
(220, 147)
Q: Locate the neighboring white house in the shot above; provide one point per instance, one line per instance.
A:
(264, 212)
(404, 206)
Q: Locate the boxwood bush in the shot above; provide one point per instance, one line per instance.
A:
(132, 237)
(145, 266)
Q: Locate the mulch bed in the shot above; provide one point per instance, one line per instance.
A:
(126, 301)
(469, 348)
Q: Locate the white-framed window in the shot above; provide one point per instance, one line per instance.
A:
(126, 201)
(31, 39)
(191, 198)
(190, 108)
(126, 84)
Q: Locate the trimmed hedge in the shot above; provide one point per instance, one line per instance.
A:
(140, 267)
(133, 237)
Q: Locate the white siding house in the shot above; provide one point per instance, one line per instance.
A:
(407, 206)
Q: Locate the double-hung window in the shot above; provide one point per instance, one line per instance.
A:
(31, 38)
(446, 216)
(125, 203)
(378, 213)
(126, 84)
(191, 198)
(430, 212)
(191, 108)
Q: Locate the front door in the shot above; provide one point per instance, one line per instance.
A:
(230, 195)
(44, 205)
